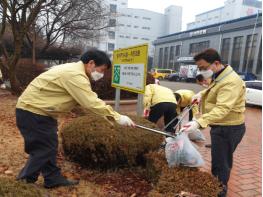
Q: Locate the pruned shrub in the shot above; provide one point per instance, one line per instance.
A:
(10, 188)
(175, 180)
(94, 143)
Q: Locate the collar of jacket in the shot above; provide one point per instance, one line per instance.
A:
(81, 67)
(227, 71)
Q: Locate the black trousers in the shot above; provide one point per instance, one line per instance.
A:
(166, 109)
(224, 140)
(41, 143)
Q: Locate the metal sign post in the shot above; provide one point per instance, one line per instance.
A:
(117, 99)
(140, 105)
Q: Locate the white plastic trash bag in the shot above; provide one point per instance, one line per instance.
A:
(180, 151)
(196, 136)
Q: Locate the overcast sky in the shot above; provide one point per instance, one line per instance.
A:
(190, 7)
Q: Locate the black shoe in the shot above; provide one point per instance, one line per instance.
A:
(26, 180)
(223, 193)
(61, 181)
(208, 145)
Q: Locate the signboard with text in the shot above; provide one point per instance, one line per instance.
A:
(129, 68)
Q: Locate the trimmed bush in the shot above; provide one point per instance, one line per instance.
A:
(175, 180)
(10, 188)
(94, 143)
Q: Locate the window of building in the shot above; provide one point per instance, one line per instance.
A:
(136, 16)
(259, 63)
(111, 47)
(145, 39)
(135, 26)
(177, 50)
(128, 25)
(249, 53)
(113, 8)
(165, 58)
(123, 3)
(146, 18)
(225, 50)
(198, 47)
(112, 22)
(121, 36)
(121, 25)
(160, 62)
(171, 56)
(128, 37)
(236, 52)
(148, 28)
(111, 34)
(135, 38)
(129, 15)
(257, 4)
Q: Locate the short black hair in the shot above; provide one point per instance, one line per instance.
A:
(209, 55)
(177, 96)
(199, 78)
(99, 57)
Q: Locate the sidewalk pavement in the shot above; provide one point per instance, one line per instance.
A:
(246, 179)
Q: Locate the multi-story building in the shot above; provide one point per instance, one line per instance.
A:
(137, 26)
(238, 41)
(232, 9)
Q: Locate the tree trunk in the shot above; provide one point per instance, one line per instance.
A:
(16, 88)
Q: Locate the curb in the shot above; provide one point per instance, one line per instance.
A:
(122, 102)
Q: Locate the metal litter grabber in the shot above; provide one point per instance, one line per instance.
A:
(180, 117)
(156, 131)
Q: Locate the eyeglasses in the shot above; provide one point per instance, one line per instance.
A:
(204, 69)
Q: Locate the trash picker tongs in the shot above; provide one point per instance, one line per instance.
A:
(165, 133)
(180, 117)
(156, 131)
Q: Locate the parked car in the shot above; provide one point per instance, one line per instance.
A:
(160, 74)
(247, 76)
(174, 77)
(254, 92)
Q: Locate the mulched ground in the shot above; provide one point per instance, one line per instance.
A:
(12, 158)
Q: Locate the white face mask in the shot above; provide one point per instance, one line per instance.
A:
(206, 73)
(205, 85)
(96, 75)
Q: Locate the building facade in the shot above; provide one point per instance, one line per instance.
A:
(238, 41)
(232, 9)
(137, 26)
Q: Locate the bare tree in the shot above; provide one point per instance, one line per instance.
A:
(71, 21)
(18, 15)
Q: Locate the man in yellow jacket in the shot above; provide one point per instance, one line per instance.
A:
(223, 107)
(51, 94)
(184, 99)
(161, 102)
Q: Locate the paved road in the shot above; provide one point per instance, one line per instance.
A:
(181, 85)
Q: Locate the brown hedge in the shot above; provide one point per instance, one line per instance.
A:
(175, 180)
(94, 143)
